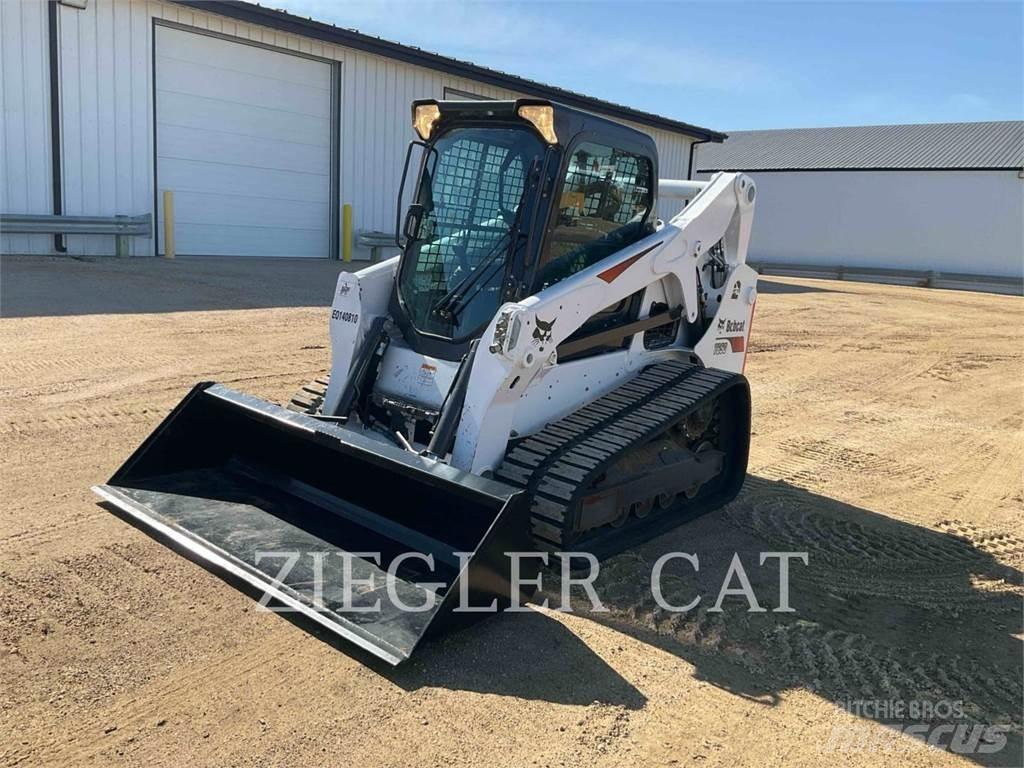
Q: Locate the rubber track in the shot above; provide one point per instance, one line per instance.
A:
(558, 464)
(310, 399)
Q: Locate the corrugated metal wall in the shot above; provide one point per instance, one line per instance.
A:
(25, 175)
(107, 115)
(968, 222)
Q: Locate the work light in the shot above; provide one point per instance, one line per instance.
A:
(424, 119)
(543, 119)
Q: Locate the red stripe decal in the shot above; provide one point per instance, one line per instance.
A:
(613, 272)
(736, 342)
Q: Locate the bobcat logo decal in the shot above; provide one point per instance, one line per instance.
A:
(542, 333)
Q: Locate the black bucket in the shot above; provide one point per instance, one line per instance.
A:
(244, 486)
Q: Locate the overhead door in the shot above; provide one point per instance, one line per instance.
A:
(243, 139)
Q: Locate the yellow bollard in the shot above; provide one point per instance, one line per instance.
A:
(346, 232)
(168, 224)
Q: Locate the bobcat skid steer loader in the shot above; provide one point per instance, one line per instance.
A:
(546, 367)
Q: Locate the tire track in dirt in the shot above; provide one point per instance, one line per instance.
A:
(849, 665)
(73, 419)
(22, 366)
(83, 416)
(809, 462)
(959, 366)
(784, 517)
(43, 533)
(836, 663)
(877, 558)
(1004, 547)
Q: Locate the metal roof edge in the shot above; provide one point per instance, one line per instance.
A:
(287, 22)
(847, 126)
(845, 168)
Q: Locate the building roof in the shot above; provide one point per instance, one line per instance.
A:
(350, 38)
(963, 146)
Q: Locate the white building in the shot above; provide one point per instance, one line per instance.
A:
(947, 197)
(261, 123)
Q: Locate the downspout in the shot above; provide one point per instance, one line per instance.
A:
(689, 164)
(59, 243)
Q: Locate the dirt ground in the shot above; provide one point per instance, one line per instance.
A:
(887, 444)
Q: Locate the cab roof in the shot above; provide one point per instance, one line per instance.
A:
(570, 122)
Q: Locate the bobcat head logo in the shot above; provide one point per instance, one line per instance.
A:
(542, 332)
(721, 325)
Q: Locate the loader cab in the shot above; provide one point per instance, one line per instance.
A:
(509, 198)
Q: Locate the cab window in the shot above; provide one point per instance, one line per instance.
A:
(604, 205)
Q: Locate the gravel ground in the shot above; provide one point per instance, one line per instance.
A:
(887, 443)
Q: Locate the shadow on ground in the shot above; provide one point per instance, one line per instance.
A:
(884, 611)
(45, 286)
(886, 614)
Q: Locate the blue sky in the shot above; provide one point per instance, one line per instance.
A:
(733, 65)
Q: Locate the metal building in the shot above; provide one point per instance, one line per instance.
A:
(261, 123)
(943, 198)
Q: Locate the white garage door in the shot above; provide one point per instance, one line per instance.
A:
(243, 139)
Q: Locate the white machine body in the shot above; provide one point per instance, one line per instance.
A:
(517, 383)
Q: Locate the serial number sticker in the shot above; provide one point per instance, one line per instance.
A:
(345, 317)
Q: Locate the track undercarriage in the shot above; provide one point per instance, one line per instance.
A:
(670, 444)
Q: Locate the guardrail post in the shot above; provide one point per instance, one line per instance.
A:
(346, 232)
(120, 241)
(168, 224)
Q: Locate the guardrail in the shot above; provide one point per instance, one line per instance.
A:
(376, 242)
(122, 227)
(1013, 286)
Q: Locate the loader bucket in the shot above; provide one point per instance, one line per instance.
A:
(244, 487)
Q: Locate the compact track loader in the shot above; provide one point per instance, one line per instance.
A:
(546, 367)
